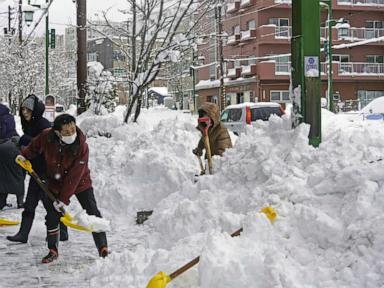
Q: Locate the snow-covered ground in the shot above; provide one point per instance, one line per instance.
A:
(329, 231)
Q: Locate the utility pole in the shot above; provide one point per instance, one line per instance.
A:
(305, 45)
(20, 22)
(81, 31)
(329, 55)
(221, 55)
(46, 52)
(10, 30)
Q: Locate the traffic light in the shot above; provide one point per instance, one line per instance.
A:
(326, 47)
(53, 38)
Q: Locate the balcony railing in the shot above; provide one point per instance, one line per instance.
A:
(283, 1)
(355, 34)
(361, 2)
(361, 69)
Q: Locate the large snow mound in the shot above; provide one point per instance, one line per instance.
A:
(329, 231)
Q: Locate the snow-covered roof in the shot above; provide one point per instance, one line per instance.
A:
(163, 91)
(254, 104)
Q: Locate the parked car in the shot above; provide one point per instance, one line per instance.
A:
(236, 117)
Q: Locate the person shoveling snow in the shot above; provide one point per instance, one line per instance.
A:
(215, 137)
(65, 154)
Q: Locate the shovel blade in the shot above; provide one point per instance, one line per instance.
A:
(160, 280)
(6, 222)
(67, 221)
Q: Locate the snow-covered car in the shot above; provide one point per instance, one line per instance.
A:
(236, 117)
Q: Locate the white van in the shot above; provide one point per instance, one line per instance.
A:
(235, 117)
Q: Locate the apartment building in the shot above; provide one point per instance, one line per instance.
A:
(256, 47)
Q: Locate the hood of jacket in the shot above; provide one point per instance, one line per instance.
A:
(37, 113)
(3, 110)
(212, 111)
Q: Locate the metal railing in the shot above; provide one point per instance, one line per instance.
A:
(360, 2)
(285, 32)
(361, 69)
(283, 1)
(353, 34)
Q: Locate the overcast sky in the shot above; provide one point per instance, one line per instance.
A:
(63, 12)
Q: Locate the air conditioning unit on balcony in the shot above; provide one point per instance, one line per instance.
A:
(233, 7)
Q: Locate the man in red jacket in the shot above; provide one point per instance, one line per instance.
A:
(65, 154)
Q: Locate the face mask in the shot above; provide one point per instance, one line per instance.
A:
(69, 139)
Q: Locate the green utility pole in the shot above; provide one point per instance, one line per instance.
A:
(329, 55)
(46, 53)
(305, 73)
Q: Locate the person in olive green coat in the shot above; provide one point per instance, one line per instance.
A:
(219, 138)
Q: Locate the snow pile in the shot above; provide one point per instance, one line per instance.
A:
(94, 223)
(329, 231)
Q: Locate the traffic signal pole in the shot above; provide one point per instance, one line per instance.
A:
(47, 53)
(305, 45)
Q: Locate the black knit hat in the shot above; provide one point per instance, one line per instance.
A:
(61, 120)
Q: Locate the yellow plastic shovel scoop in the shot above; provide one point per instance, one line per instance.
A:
(6, 222)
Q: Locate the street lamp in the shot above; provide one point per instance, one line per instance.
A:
(328, 49)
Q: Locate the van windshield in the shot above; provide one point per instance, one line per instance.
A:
(231, 115)
(263, 113)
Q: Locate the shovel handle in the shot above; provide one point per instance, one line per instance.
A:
(201, 165)
(208, 151)
(27, 165)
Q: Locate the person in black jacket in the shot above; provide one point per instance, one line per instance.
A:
(11, 174)
(33, 123)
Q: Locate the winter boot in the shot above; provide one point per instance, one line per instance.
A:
(51, 256)
(101, 243)
(20, 202)
(103, 252)
(63, 232)
(25, 227)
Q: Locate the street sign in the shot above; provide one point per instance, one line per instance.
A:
(311, 66)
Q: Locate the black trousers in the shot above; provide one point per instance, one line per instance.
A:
(88, 203)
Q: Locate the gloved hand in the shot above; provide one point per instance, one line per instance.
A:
(197, 152)
(59, 206)
(20, 158)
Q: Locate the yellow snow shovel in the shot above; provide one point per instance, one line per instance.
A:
(161, 279)
(66, 218)
(6, 222)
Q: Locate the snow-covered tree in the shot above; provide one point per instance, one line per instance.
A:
(101, 96)
(158, 32)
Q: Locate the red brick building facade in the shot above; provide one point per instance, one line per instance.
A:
(256, 31)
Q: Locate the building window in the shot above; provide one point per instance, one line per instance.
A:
(373, 29)
(375, 58)
(117, 72)
(340, 58)
(283, 64)
(92, 57)
(252, 61)
(236, 30)
(251, 24)
(282, 29)
(279, 96)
